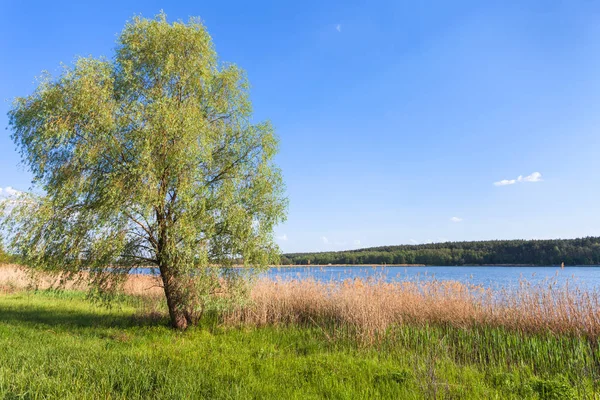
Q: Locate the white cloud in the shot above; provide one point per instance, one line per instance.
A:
(324, 240)
(356, 242)
(505, 182)
(10, 197)
(283, 237)
(413, 241)
(534, 177)
(456, 219)
(9, 192)
(338, 27)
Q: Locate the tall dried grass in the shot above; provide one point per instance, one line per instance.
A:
(370, 308)
(15, 278)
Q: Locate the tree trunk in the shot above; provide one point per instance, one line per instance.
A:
(175, 301)
(177, 315)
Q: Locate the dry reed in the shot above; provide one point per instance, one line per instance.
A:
(15, 278)
(370, 308)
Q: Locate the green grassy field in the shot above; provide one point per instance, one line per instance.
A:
(59, 345)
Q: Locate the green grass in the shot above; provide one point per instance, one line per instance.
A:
(59, 345)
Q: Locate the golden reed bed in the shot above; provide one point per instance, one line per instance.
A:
(14, 278)
(371, 307)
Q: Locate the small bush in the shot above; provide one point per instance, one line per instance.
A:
(553, 389)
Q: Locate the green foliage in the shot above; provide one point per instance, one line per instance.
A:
(149, 158)
(584, 251)
(4, 258)
(57, 345)
(511, 383)
(554, 389)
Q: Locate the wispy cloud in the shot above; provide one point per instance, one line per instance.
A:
(356, 242)
(456, 219)
(324, 240)
(534, 177)
(338, 27)
(413, 241)
(283, 237)
(505, 182)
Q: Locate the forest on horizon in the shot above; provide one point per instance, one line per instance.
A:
(581, 251)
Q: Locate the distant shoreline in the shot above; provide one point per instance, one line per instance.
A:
(347, 265)
(424, 265)
(580, 251)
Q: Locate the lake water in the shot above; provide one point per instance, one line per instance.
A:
(487, 276)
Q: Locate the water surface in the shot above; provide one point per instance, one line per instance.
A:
(487, 276)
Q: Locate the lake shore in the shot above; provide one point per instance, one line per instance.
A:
(425, 265)
(346, 265)
(60, 345)
(373, 304)
(389, 339)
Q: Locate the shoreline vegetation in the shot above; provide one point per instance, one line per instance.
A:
(435, 339)
(421, 265)
(582, 251)
(374, 305)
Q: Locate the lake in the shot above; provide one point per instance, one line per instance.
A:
(487, 276)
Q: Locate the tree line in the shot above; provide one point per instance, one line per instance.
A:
(582, 251)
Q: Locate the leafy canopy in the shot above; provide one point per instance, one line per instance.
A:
(150, 158)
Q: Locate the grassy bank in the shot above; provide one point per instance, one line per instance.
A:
(59, 345)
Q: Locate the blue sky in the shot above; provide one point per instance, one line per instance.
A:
(395, 118)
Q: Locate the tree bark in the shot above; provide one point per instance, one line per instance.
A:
(175, 302)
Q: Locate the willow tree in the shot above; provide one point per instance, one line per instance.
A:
(148, 159)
